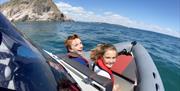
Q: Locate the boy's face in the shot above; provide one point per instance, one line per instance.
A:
(76, 46)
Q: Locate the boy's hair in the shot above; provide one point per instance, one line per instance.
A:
(69, 40)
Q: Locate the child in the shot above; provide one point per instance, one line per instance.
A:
(75, 49)
(104, 56)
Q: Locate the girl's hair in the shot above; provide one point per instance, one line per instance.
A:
(69, 40)
(100, 50)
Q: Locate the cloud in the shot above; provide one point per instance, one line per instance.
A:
(80, 14)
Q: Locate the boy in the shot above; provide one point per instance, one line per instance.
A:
(75, 49)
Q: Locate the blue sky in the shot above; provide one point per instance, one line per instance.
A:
(161, 16)
(162, 12)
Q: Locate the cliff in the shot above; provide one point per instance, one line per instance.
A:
(32, 10)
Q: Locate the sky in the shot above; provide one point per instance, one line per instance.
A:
(162, 16)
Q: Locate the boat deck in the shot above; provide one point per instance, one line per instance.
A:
(125, 79)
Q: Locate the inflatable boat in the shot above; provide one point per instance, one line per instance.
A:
(26, 67)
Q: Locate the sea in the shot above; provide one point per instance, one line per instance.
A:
(164, 49)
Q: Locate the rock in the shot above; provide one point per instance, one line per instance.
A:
(32, 10)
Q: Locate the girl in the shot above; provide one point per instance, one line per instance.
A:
(104, 56)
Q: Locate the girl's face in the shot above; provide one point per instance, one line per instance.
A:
(77, 46)
(109, 58)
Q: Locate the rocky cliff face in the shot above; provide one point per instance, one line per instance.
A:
(32, 10)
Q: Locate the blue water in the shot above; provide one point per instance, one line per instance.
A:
(165, 50)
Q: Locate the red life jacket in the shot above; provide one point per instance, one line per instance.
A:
(101, 64)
